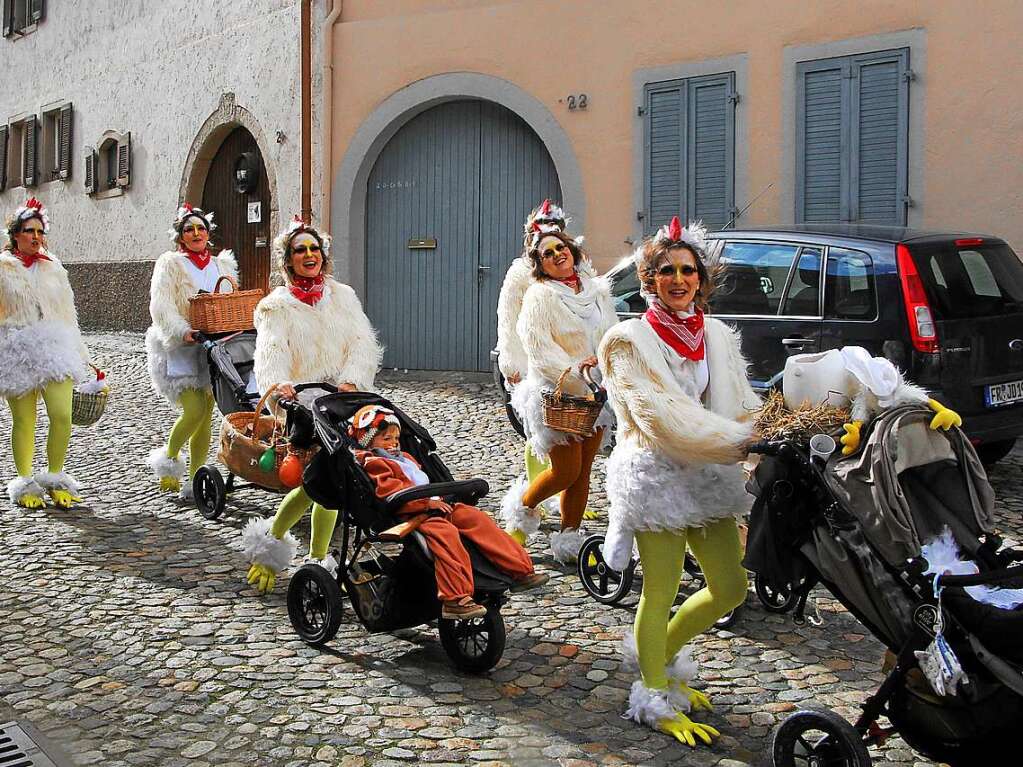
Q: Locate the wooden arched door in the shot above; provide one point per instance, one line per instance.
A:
(242, 218)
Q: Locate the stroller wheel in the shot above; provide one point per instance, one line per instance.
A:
(314, 604)
(209, 492)
(474, 645)
(773, 599)
(818, 738)
(600, 581)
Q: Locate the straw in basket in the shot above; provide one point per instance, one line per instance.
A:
(574, 415)
(90, 400)
(218, 312)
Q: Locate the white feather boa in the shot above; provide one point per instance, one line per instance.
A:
(19, 487)
(332, 341)
(40, 341)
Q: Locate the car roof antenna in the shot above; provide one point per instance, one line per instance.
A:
(747, 207)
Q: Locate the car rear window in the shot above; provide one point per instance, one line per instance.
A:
(975, 280)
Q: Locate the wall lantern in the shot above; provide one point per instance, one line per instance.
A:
(246, 172)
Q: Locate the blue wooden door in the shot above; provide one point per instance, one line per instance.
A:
(446, 202)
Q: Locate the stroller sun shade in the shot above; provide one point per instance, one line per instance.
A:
(331, 414)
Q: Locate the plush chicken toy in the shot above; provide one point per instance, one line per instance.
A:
(851, 377)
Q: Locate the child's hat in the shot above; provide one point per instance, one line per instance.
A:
(368, 421)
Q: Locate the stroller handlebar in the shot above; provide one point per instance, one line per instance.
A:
(982, 579)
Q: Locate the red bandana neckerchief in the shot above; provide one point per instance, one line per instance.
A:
(683, 334)
(28, 261)
(201, 260)
(308, 290)
(572, 282)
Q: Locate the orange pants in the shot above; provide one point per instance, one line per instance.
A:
(451, 561)
(569, 475)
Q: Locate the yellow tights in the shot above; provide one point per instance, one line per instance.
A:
(57, 399)
(193, 425)
(295, 504)
(719, 553)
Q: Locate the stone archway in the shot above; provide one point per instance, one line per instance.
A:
(218, 126)
(348, 195)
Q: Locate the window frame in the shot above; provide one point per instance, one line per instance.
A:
(799, 246)
(849, 172)
(16, 149)
(686, 86)
(874, 286)
(34, 11)
(101, 165)
(51, 139)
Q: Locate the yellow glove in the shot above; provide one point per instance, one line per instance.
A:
(851, 439)
(943, 417)
(683, 729)
(698, 701)
(262, 577)
(31, 501)
(589, 514)
(63, 499)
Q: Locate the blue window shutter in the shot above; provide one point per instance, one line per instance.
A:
(711, 150)
(878, 165)
(821, 144)
(665, 131)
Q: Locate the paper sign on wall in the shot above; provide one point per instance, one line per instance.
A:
(255, 212)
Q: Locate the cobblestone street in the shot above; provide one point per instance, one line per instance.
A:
(131, 638)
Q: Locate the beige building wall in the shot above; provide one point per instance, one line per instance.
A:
(966, 118)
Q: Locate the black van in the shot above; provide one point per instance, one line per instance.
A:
(946, 308)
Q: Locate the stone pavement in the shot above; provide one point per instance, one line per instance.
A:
(130, 637)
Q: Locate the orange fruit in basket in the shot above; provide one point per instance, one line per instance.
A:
(290, 472)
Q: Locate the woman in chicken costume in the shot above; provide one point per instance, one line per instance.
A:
(677, 382)
(311, 329)
(177, 362)
(565, 312)
(41, 356)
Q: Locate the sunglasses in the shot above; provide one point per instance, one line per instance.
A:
(300, 249)
(670, 270)
(553, 251)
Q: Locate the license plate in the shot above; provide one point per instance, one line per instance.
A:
(1006, 393)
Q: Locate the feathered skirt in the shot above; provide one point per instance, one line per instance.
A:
(646, 490)
(176, 368)
(528, 405)
(31, 356)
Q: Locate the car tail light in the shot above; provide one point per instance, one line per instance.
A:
(969, 242)
(918, 311)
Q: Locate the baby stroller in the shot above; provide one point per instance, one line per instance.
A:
(385, 571)
(231, 362)
(857, 525)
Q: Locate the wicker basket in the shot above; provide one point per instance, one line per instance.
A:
(218, 312)
(574, 415)
(87, 409)
(243, 441)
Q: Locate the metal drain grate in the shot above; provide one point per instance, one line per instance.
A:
(19, 748)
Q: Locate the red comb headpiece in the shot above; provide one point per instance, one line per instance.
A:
(545, 209)
(187, 206)
(675, 229)
(32, 202)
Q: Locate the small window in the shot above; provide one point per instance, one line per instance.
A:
(849, 288)
(979, 273)
(973, 282)
(753, 278)
(21, 153)
(626, 291)
(21, 16)
(56, 144)
(112, 172)
(802, 299)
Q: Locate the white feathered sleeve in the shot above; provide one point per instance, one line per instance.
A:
(539, 329)
(670, 421)
(273, 357)
(362, 353)
(511, 353)
(170, 318)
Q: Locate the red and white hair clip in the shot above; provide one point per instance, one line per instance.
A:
(693, 236)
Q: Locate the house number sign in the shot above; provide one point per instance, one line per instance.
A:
(577, 101)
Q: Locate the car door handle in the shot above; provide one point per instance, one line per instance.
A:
(797, 343)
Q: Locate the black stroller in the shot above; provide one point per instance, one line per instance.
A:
(856, 525)
(386, 572)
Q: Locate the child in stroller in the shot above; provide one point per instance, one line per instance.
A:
(866, 527)
(378, 430)
(387, 569)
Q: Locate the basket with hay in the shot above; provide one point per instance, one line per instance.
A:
(775, 421)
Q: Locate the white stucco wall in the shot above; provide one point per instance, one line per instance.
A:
(157, 69)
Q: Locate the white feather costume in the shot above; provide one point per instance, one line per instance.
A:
(331, 341)
(511, 354)
(559, 329)
(40, 341)
(675, 463)
(169, 291)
